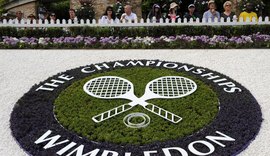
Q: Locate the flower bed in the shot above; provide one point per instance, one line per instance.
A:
(239, 115)
(179, 41)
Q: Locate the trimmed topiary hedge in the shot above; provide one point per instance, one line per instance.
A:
(154, 31)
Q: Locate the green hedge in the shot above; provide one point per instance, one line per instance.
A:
(29, 32)
(154, 31)
(171, 30)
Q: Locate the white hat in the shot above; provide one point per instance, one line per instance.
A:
(173, 5)
(210, 2)
(191, 5)
(156, 6)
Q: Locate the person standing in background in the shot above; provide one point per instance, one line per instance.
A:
(46, 16)
(211, 14)
(19, 16)
(53, 17)
(31, 17)
(109, 16)
(191, 13)
(155, 12)
(249, 13)
(72, 16)
(128, 15)
(227, 11)
(173, 16)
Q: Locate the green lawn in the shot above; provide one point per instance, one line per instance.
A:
(74, 110)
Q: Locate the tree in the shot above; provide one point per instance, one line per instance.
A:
(2, 2)
(60, 8)
(259, 6)
(87, 10)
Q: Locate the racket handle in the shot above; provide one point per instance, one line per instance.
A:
(163, 113)
(111, 113)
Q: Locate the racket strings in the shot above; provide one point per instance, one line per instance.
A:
(172, 86)
(108, 87)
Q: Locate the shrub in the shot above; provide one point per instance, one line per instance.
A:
(32, 32)
(154, 31)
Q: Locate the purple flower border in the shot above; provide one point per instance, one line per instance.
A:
(179, 41)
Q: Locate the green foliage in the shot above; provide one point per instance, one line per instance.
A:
(201, 6)
(8, 31)
(60, 9)
(155, 31)
(119, 9)
(86, 12)
(74, 110)
(32, 32)
(258, 4)
(2, 10)
(170, 31)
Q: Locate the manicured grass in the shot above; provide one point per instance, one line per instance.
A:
(74, 109)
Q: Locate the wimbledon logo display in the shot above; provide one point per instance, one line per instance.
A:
(136, 108)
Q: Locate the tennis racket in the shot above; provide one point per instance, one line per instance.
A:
(112, 87)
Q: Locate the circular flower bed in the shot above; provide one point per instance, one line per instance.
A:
(234, 126)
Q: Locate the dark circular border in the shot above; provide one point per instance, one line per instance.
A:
(239, 117)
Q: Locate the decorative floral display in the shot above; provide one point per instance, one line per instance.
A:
(239, 115)
(178, 41)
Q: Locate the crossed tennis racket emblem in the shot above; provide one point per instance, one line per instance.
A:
(113, 87)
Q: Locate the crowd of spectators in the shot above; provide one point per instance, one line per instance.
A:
(119, 13)
(211, 14)
(112, 13)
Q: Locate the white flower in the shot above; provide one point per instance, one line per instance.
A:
(147, 40)
(15, 39)
(162, 37)
(167, 39)
(41, 40)
(248, 39)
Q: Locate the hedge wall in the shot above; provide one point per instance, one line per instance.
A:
(154, 31)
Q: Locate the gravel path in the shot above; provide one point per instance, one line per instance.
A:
(21, 69)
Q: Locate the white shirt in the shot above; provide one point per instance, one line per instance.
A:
(105, 20)
(132, 16)
(75, 19)
(25, 20)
